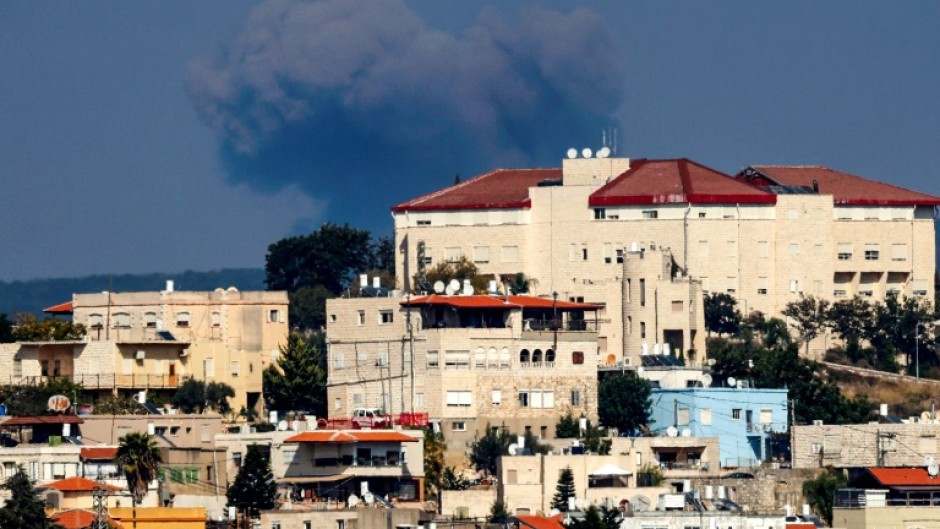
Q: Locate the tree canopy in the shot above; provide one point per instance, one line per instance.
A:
(29, 329)
(721, 313)
(139, 460)
(297, 381)
(462, 269)
(564, 490)
(623, 402)
(196, 396)
(434, 448)
(820, 492)
(485, 451)
(809, 315)
(23, 508)
(254, 488)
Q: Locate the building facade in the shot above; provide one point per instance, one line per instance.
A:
(865, 445)
(765, 236)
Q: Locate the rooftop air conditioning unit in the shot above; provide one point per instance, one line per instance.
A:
(140, 354)
(184, 352)
(817, 422)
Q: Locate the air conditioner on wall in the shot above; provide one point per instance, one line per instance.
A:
(140, 354)
(184, 352)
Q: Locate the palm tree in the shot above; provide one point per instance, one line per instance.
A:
(139, 459)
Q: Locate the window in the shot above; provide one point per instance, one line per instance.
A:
(419, 400)
(899, 252)
(731, 249)
(216, 318)
(736, 414)
(844, 251)
(682, 416)
(576, 397)
(762, 286)
(339, 361)
(705, 416)
(57, 368)
(871, 252)
(496, 397)
(577, 358)
(584, 252)
(433, 359)
(362, 317)
(600, 213)
(651, 214)
(150, 320)
(423, 222)
(608, 252)
(817, 250)
(275, 525)
(174, 431)
(701, 214)
(481, 254)
(382, 360)
(642, 329)
(386, 317)
(839, 293)
(510, 254)
(461, 399)
(127, 366)
(919, 287)
(763, 249)
(791, 214)
(182, 319)
(642, 292)
(794, 286)
(794, 249)
(233, 367)
(456, 358)
(94, 321)
(524, 398)
(766, 416)
(204, 435)
(274, 315)
(17, 367)
(121, 320)
(677, 306)
(703, 249)
(452, 254)
(458, 426)
(208, 367)
(619, 253)
(158, 366)
(357, 398)
(573, 252)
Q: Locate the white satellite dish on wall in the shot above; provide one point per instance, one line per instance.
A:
(933, 470)
(282, 426)
(513, 449)
(450, 290)
(467, 290)
(686, 432)
(707, 380)
(454, 285)
(604, 152)
(732, 382)
(672, 431)
(586, 152)
(439, 286)
(572, 153)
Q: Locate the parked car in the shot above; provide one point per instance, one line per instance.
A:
(369, 418)
(739, 475)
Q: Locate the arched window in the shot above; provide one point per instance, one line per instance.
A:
(524, 356)
(121, 319)
(536, 356)
(94, 321)
(479, 357)
(216, 318)
(150, 320)
(492, 357)
(182, 319)
(504, 357)
(549, 355)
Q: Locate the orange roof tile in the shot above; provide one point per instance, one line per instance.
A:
(675, 182)
(99, 452)
(498, 189)
(61, 308)
(37, 420)
(897, 477)
(358, 436)
(79, 484)
(498, 302)
(540, 522)
(845, 188)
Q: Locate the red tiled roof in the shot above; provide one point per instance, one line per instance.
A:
(79, 519)
(845, 188)
(42, 419)
(79, 484)
(539, 522)
(99, 452)
(61, 308)
(900, 477)
(676, 182)
(498, 302)
(498, 189)
(334, 436)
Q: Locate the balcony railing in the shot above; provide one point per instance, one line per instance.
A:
(534, 325)
(108, 380)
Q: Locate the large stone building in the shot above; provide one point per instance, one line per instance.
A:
(519, 362)
(153, 341)
(766, 236)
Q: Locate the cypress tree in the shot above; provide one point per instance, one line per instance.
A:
(254, 488)
(564, 490)
(24, 508)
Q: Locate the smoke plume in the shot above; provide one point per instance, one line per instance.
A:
(360, 103)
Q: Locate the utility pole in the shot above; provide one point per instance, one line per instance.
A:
(99, 504)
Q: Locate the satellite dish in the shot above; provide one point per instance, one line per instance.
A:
(586, 152)
(467, 290)
(572, 153)
(933, 469)
(450, 290)
(454, 285)
(707, 380)
(926, 416)
(439, 287)
(554, 512)
(59, 403)
(732, 382)
(282, 426)
(672, 431)
(686, 432)
(640, 503)
(513, 449)
(604, 152)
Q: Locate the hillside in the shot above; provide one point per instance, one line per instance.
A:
(36, 294)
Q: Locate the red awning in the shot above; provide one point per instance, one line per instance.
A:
(99, 452)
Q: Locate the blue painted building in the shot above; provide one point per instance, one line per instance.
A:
(750, 423)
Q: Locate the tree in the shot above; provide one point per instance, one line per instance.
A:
(499, 512)
(463, 269)
(297, 381)
(721, 313)
(564, 489)
(434, 448)
(254, 488)
(567, 427)
(486, 451)
(190, 396)
(595, 440)
(534, 445)
(328, 256)
(901, 327)
(6, 329)
(453, 481)
(308, 307)
(118, 406)
(820, 492)
(521, 284)
(24, 508)
(624, 403)
(852, 320)
(139, 460)
(809, 316)
(29, 329)
(217, 395)
(602, 517)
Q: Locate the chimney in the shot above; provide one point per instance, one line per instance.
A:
(169, 285)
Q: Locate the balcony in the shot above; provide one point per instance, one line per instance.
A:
(91, 381)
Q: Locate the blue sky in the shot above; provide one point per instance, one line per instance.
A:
(165, 136)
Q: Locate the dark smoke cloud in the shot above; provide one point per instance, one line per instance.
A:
(360, 103)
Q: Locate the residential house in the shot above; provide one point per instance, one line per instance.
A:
(889, 498)
(859, 446)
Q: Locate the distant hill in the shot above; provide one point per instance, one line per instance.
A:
(37, 294)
